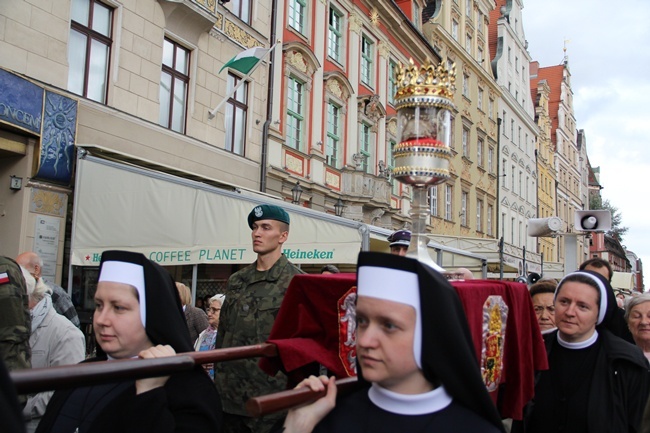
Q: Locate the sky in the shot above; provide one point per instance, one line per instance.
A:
(608, 46)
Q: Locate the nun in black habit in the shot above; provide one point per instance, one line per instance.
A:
(596, 381)
(138, 314)
(415, 355)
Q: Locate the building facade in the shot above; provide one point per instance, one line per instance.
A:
(569, 192)
(518, 133)
(121, 128)
(547, 178)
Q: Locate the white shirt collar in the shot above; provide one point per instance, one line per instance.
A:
(409, 404)
(579, 344)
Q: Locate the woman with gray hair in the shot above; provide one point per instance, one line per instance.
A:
(208, 337)
(637, 316)
(54, 340)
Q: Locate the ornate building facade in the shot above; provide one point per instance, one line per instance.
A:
(518, 134)
(334, 123)
(570, 161)
(465, 208)
(547, 178)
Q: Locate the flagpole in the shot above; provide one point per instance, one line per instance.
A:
(212, 113)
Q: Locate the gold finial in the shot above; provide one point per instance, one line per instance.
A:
(424, 82)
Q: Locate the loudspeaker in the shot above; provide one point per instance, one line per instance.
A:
(540, 227)
(593, 220)
(533, 277)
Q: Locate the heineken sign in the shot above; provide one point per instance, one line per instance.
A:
(197, 255)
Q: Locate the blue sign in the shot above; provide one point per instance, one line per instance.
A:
(57, 143)
(21, 102)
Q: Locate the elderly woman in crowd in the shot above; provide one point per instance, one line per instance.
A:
(208, 337)
(542, 294)
(637, 315)
(54, 340)
(138, 314)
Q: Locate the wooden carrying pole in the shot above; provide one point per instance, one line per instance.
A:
(92, 373)
(279, 401)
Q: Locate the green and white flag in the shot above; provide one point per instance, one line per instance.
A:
(245, 61)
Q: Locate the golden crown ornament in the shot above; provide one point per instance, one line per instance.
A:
(423, 102)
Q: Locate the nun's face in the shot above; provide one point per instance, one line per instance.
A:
(385, 331)
(576, 311)
(117, 322)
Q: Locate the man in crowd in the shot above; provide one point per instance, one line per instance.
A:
(253, 298)
(600, 266)
(60, 298)
(399, 242)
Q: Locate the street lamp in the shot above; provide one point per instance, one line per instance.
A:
(296, 192)
(338, 207)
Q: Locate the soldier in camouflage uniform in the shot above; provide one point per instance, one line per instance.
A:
(253, 298)
(15, 320)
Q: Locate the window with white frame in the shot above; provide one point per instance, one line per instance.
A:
(392, 82)
(89, 49)
(479, 151)
(174, 84)
(479, 215)
(433, 200)
(335, 35)
(479, 21)
(466, 85)
(466, 142)
(297, 15)
(512, 179)
(468, 43)
(512, 129)
(454, 29)
(490, 159)
(491, 108)
(480, 99)
(480, 56)
(242, 9)
(521, 175)
(295, 113)
(367, 60)
(527, 182)
(333, 146)
(468, 8)
(365, 137)
(448, 202)
(236, 112)
(463, 211)
(489, 220)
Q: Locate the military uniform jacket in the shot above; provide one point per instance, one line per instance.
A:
(252, 302)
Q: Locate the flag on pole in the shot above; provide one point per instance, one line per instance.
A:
(245, 61)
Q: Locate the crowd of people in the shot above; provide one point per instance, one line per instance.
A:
(416, 361)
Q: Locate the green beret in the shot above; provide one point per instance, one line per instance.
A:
(267, 212)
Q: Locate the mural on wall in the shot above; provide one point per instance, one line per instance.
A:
(49, 115)
(58, 137)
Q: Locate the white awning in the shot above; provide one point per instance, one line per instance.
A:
(177, 221)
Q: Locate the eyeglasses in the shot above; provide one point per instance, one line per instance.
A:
(213, 310)
(539, 309)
